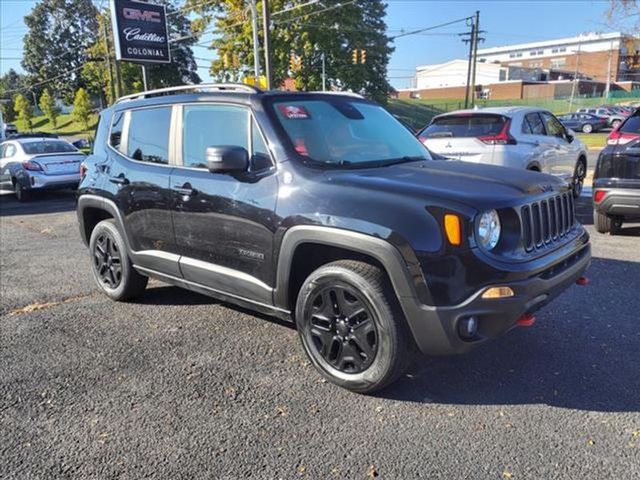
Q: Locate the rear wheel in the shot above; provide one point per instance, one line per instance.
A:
(111, 266)
(587, 128)
(351, 327)
(22, 194)
(616, 123)
(606, 224)
(579, 175)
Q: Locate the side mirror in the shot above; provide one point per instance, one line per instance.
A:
(227, 158)
(571, 135)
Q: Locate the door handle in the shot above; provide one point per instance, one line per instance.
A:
(119, 180)
(185, 189)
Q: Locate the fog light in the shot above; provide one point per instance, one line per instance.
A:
(498, 292)
(468, 328)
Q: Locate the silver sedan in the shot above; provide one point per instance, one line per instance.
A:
(28, 164)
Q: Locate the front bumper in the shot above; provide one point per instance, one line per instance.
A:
(435, 329)
(40, 181)
(623, 202)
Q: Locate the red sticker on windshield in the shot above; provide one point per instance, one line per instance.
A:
(294, 112)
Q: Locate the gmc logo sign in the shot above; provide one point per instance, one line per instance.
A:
(144, 15)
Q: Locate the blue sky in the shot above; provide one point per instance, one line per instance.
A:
(505, 22)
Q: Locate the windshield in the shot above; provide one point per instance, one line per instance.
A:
(346, 132)
(474, 125)
(47, 146)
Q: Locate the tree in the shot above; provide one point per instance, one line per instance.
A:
(181, 70)
(49, 108)
(81, 108)
(10, 83)
(24, 110)
(55, 46)
(333, 28)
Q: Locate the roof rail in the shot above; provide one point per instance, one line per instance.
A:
(335, 92)
(202, 87)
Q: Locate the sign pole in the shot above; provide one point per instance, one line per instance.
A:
(256, 44)
(145, 79)
(266, 18)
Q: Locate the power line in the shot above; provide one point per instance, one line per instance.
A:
(414, 32)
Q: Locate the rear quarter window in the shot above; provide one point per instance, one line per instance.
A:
(632, 125)
(464, 126)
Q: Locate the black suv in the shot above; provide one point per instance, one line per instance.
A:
(323, 209)
(616, 180)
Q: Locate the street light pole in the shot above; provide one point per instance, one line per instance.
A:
(324, 74)
(256, 43)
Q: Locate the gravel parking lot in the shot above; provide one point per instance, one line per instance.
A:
(179, 386)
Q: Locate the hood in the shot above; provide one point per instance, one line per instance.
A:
(476, 185)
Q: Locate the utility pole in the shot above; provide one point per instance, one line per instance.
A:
(476, 31)
(575, 77)
(256, 43)
(266, 19)
(608, 86)
(145, 79)
(107, 58)
(470, 42)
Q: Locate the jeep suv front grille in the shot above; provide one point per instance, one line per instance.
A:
(547, 221)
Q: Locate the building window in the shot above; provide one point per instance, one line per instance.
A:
(512, 55)
(532, 53)
(558, 62)
(519, 54)
(563, 49)
(540, 52)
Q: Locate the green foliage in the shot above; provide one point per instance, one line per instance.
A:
(60, 31)
(24, 110)
(10, 83)
(331, 28)
(81, 108)
(181, 70)
(49, 108)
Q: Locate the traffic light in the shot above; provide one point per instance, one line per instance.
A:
(363, 56)
(354, 56)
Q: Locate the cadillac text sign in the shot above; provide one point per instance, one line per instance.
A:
(140, 31)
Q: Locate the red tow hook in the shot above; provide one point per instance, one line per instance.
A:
(526, 320)
(582, 281)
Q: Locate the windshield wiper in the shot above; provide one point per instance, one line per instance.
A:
(405, 159)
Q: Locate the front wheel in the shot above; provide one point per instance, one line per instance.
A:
(579, 175)
(111, 266)
(351, 326)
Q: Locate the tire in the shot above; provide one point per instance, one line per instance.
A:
(117, 279)
(587, 128)
(606, 224)
(616, 123)
(579, 174)
(22, 194)
(357, 336)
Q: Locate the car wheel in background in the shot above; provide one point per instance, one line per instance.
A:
(606, 224)
(22, 194)
(587, 128)
(579, 175)
(351, 326)
(616, 123)
(111, 266)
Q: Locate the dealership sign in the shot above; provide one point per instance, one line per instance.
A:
(140, 31)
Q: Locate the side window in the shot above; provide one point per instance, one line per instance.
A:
(534, 125)
(148, 139)
(115, 138)
(553, 126)
(3, 148)
(9, 151)
(212, 125)
(260, 159)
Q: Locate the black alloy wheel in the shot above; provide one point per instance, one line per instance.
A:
(107, 260)
(343, 329)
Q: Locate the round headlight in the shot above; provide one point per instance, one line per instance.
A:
(489, 229)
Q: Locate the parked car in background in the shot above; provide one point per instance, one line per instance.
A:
(10, 129)
(517, 137)
(33, 135)
(29, 164)
(616, 180)
(583, 122)
(614, 119)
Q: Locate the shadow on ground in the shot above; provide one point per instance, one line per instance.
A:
(53, 201)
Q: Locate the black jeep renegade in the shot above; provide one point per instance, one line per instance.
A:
(323, 209)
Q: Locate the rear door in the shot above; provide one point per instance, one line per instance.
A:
(138, 173)
(542, 150)
(464, 136)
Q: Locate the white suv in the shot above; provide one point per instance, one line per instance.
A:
(516, 137)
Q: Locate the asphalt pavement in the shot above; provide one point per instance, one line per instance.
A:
(176, 385)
